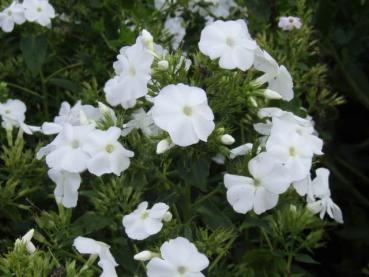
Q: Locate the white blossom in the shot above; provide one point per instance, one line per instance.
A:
(183, 112)
(67, 185)
(39, 11)
(66, 152)
(107, 154)
(179, 257)
(133, 69)
(241, 150)
(14, 14)
(163, 146)
(175, 27)
(143, 256)
(246, 194)
(141, 120)
(231, 42)
(12, 113)
(288, 23)
(144, 222)
(89, 246)
(278, 78)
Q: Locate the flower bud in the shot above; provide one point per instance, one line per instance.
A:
(103, 108)
(163, 146)
(163, 65)
(227, 139)
(167, 217)
(143, 256)
(147, 40)
(271, 94)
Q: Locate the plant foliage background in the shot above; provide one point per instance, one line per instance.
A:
(328, 60)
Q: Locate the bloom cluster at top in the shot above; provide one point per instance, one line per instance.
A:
(39, 11)
(12, 113)
(79, 145)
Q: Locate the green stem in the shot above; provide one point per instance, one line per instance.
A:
(187, 202)
(24, 89)
(45, 96)
(289, 264)
(61, 70)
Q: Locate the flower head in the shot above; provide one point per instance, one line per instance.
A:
(174, 26)
(183, 112)
(133, 69)
(288, 23)
(14, 14)
(179, 257)
(231, 42)
(107, 154)
(67, 185)
(144, 222)
(39, 11)
(89, 246)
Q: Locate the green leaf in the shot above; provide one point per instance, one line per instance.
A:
(34, 52)
(212, 216)
(305, 259)
(66, 84)
(195, 173)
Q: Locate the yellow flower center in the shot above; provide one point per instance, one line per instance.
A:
(109, 148)
(181, 270)
(187, 110)
(144, 215)
(292, 151)
(230, 42)
(75, 144)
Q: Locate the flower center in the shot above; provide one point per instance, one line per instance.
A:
(292, 151)
(9, 13)
(109, 148)
(7, 111)
(257, 182)
(39, 9)
(132, 71)
(144, 215)
(291, 20)
(181, 270)
(230, 42)
(187, 110)
(75, 144)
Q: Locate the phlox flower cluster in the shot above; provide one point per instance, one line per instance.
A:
(39, 11)
(289, 144)
(80, 146)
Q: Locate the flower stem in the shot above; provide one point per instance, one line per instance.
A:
(187, 202)
(45, 96)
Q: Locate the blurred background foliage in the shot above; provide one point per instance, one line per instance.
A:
(328, 60)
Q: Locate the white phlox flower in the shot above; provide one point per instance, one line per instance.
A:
(67, 185)
(12, 113)
(179, 257)
(322, 202)
(12, 15)
(143, 121)
(222, 8)
(175, 27)
(39, 11)
(133, 69)
(77, 115)
(144, 222)
(246, 194)
(89, 246)
(107, 155)
(66, 151)
(183, 112)
(163, 146)
(229, 41)
(26, 240)
(288, 23)
(278, 77)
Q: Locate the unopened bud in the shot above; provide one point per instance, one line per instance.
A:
(163, 146)
(168, 217)
(271, 94)
(163, 65)
(147, 40)
(143, 256)
(227, 139)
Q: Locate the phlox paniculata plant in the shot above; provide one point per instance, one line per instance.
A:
(184, 157)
